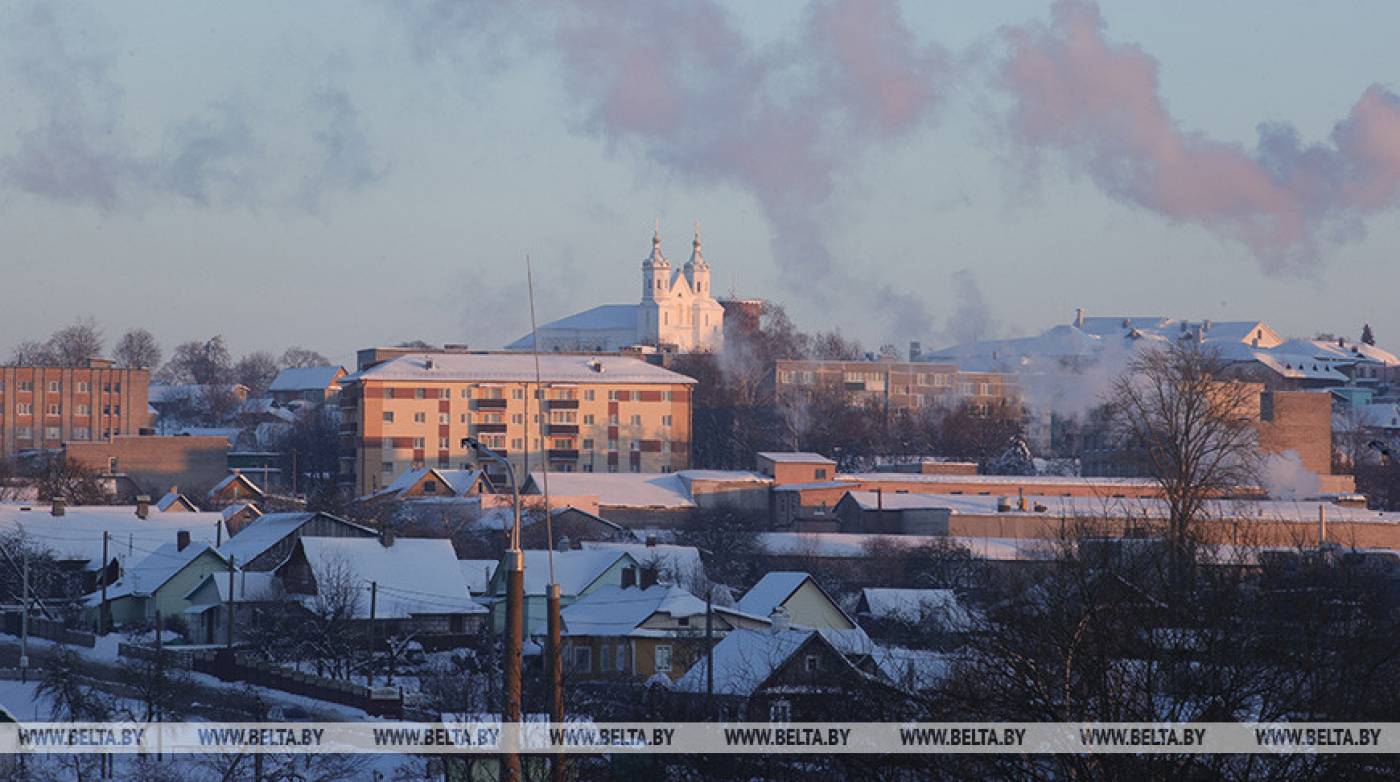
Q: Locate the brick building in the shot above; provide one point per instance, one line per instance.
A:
(150, 465)
(593, 414)
(44, 407)
(897, 385)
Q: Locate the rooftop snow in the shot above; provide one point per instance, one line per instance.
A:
(608, 317)
(77, 535)
(621, 489)
(413, 576)
(744, 659)
(263, 533)
(574, 570)
(771, 591)
(795, 457)
(305, 378)
(516, 368)
(917, 605)
(151, 572)
(675, 564)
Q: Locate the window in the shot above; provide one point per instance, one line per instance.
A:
(588, 445)
(466, 393)
(665, 420)
(84, 409)
(612, 468)
(420, 418)
(24, 408)
(444, 393)
(780, 711)
(820, 474)
(563, 417)
(583, 659)
(636, 420)
(813, 663)
(588, 419)
(636, 467)
(82, 433)
(623, 658)
(24, 432)
(492, 418)
(466, 419)
(26, 385)
(444, 418)
(612, 420)
(83, 387)
(111, 465)
(612, 445)
(417, 442)
(442, 443)
(55, 386)
(430, 487)
(636, 445)
(518, 393)
(588, 395)
(417, 464)
(604, 659)
(388, 416)
(388, 444)
(494, 441)
(420, 393)
(52, 433)
(612, 395)
(563, 445)
(663, 658)
(116, 409)
(517, 444)
(517, 418)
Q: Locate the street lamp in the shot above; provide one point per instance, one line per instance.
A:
(515, 608)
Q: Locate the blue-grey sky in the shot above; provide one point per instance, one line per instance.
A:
(337, 175)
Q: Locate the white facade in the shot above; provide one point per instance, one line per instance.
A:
(677, 310)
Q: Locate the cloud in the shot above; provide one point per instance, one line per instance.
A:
(1099, 104)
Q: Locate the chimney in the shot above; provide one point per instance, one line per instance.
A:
(58, 507)
(648, 577)
(915, 350)
(143, 506)
(182, 540)
(782, 621)
(563, 544)
(1079, 318)
(386, 539)
(651, 541)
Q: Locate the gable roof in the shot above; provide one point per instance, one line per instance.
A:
(745, 659)
(575, 570)
(459, 482)
(412, 576)
(174, 502)
(771, 591)
(232, 477)
(306, 378)
(615, 611)
(268, 530)
(916, 605)
(156, 569)
(681, 564)
(247, 585)
(77, 535)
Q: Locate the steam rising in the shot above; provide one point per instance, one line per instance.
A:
(1098, 103)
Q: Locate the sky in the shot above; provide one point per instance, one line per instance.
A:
(339, 175)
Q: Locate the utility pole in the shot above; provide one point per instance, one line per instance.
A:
(102, 613)
(709, 653)
(369, 667)
(24, 624)
(230, 605)
(554, 655)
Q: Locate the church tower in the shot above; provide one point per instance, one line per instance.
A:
(697, 272)
(656, 272)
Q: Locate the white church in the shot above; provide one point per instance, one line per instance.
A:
(676, 313)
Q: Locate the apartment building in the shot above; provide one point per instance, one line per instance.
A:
(898, 385)
(44, 407)
(586, 414)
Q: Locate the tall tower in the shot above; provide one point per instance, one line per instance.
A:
(697, 272)
(656, 272)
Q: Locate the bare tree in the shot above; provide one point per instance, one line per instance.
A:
(256, 370)
(199, 363)
(58, 477)
(138, 349)
(73, 345)
(1190, 427)
(32, 353)
(297, 357)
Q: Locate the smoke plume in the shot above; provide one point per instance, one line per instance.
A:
(1099, 103)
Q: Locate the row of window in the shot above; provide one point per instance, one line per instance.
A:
(27, 408)
(558, 394)
(583, 659)
(56, 387)
(56, 433)
(563, 417)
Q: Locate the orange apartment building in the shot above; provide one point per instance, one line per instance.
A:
(587, 414)
(44, 407)
(899, 385)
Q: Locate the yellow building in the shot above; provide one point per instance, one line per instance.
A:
(586, 414)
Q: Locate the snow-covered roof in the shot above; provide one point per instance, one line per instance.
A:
(152, 571)
(676, 564)
(913, 668)
(725, 476)
(1380, 415)
(621, 489)
(305, 378)
(265, 532)
(413, 576)
(917, 605)
(477, 574)
(745, 659)
(574, 570)
(173, 499)
(77, 535)
(608, 317)
(230, 511)
(246, 586)
(1011, 481)
(1296, 366)
(816, 485)
(771, 591)
(517, 368)
(230, 478)
(615, 611)
(870, 500)
(459, 482)
(795, 457)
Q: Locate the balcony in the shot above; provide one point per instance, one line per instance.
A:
(562, 455)
(563, 430)
(562, 404)
(491, 428)
(490, 404)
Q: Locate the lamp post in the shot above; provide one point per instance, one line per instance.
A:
(515, 608)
